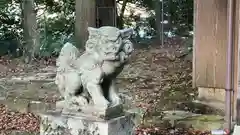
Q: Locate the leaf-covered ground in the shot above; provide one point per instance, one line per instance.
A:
(158, 78)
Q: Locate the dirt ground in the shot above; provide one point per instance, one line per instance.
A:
(158, 78)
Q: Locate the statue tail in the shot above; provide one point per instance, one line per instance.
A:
(68, 54)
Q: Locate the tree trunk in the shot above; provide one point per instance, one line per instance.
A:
(170, 14)
(31, 35)
(120, 19)
(158, 19)
(85, 17)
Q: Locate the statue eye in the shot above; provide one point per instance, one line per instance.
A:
(129, 47)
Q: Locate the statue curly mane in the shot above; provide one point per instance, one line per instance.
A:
(105, 40)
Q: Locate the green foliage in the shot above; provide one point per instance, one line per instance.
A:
(182, 17)
(178, 13)
(3, 4)
(55, 31)
(60, 6)
(10, 22)
(51, 46)
(10, 28)
(59, 28)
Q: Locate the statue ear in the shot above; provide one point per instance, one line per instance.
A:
(93, 31)
(126, 33)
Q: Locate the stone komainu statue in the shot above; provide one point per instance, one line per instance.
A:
(89, 79)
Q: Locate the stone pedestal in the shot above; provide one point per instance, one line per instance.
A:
(236, 130)
(91, 111)
(56, 123)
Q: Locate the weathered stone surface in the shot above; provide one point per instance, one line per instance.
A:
(35, 97)
(89, 79)
(42, 76)
(55, 123)
(236, 130)
(32, 91)
(211, 94)
(212, 97)
(202, 122)
(139, 114)
(21, 105)
(22, 133)
(25, 105)
(37, 106)
(202, 107)
(109, 113)
(183, 119)
(47, 77)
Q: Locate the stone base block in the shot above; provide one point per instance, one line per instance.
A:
(236, 130)
(55, 123)
(211, 94)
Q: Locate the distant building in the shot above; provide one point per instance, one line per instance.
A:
(106, 13)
